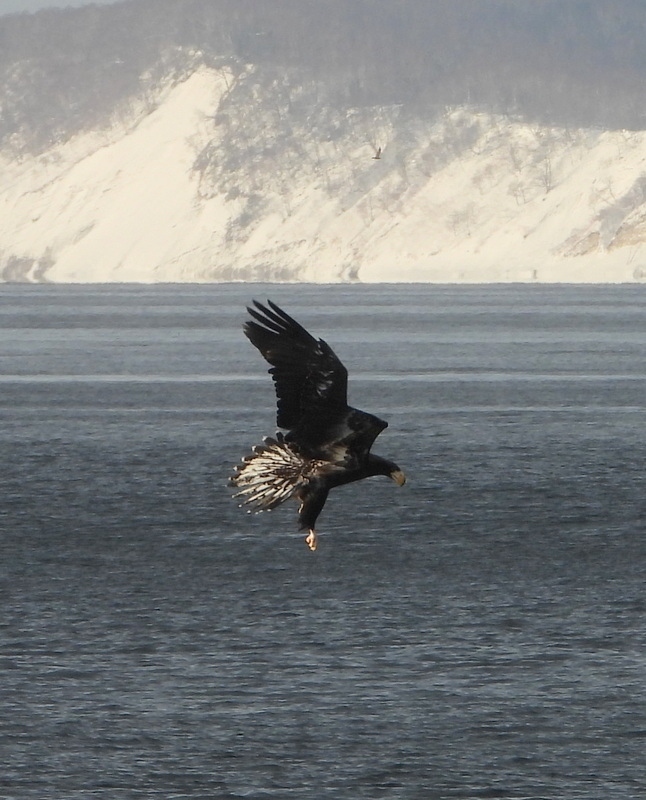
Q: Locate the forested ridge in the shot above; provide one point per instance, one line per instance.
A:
(576, 62)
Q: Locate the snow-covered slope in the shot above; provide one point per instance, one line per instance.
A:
(173, 195)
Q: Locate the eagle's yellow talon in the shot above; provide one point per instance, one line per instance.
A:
(312, 540)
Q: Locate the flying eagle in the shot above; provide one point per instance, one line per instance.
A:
(327, 443)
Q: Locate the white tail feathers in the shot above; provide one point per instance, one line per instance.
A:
(270, 475)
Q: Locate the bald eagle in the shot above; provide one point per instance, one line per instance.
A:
(327, 442)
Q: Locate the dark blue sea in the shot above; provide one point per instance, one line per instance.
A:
(478, 633)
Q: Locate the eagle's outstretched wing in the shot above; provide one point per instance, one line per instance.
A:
(310, 380)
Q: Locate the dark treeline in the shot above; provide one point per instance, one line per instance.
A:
(567, 62)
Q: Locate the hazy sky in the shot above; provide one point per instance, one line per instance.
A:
(11, 6)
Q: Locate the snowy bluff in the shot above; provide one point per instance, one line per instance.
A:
(203, 184)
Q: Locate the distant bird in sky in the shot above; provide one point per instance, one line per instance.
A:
(327, 443)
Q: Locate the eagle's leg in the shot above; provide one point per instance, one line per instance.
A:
(312, 497)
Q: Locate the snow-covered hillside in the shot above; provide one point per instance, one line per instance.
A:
(206, 186)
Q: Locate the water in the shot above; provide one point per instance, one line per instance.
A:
(478, 633)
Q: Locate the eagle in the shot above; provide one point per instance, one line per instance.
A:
(326, 442)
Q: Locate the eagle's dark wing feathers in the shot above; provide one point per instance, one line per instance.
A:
(350, 438)
(308, 376)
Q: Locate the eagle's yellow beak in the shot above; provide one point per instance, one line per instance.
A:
(399, 477)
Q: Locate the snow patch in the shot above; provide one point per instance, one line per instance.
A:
(469, 198)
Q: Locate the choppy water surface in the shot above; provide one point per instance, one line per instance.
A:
(478, 633)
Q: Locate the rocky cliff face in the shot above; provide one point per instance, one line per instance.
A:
(225, 175)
